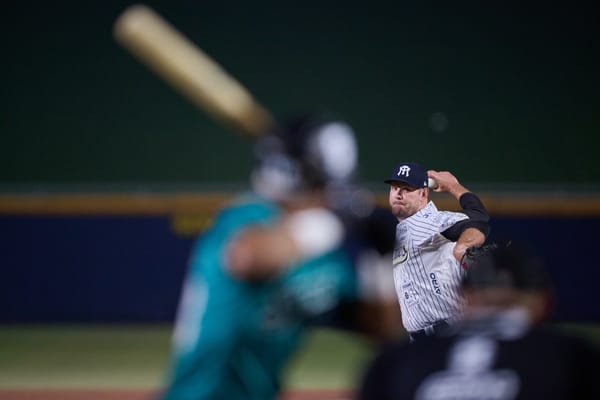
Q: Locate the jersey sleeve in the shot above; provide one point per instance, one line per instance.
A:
(478, 217)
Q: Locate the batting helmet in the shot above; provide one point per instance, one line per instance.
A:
(306, 152)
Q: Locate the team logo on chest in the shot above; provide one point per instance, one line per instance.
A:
(400, 254)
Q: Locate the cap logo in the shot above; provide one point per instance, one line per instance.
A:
(403, 170)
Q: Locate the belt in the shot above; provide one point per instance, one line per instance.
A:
(430, 330)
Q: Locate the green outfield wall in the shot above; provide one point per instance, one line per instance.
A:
(492, 91)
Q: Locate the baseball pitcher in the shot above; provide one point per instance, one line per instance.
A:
(430, 244)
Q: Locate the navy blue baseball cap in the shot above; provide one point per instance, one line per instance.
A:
(410, 173)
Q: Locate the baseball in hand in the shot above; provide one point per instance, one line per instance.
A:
(432, 183)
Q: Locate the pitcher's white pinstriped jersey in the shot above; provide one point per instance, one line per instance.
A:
(426, 274)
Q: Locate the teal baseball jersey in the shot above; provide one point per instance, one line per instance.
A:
(233, 338)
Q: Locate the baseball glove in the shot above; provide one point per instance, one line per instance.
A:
(474, 253)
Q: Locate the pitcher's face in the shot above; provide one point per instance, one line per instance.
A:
(405, 200)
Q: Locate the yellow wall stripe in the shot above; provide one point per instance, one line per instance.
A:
(206, 203)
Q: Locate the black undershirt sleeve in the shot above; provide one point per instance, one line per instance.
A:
(472, 206)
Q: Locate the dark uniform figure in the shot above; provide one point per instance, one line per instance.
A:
(500, 351)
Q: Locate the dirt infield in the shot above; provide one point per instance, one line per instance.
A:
(105, 394)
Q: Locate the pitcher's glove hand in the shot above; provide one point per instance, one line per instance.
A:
(473, 253)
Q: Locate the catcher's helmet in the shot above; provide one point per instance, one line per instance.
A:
(304, 153)
(512, 265)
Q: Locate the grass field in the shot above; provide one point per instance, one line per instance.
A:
(135, 356)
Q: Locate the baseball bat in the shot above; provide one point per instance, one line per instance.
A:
(188, 69)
